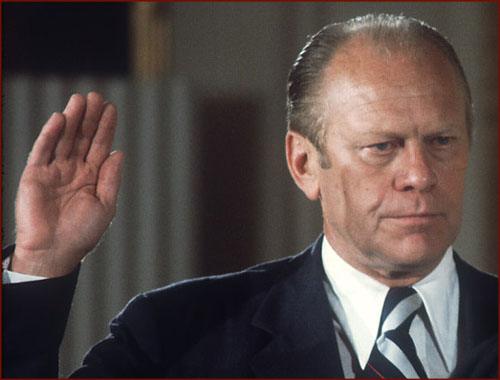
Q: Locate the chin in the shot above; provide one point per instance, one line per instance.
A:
(414, 255)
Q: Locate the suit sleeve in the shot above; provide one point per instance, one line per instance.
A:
(34, 317)
(133, 349)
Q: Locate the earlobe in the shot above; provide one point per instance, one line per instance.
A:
(303, 163)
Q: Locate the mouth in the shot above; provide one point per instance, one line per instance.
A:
(417, 219)
(415, 216)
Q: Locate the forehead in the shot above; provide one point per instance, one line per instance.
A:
(363, 80)
(361, 54)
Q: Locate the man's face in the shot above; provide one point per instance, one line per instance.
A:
(397, 144)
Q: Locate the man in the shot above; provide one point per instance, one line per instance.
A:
(380, 127)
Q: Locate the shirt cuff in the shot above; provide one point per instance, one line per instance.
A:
(9, 277)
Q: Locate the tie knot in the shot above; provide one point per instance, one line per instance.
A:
(394, 354)
(400, 306)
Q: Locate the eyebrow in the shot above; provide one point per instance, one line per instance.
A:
(390, 134)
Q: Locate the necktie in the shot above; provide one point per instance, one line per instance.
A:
(394, 354)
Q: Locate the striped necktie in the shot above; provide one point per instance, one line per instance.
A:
(394, 354)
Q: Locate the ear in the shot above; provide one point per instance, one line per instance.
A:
(303, 163)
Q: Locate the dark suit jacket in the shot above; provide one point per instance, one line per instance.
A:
(271, 320)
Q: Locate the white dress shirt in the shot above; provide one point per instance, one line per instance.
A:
(357, 301)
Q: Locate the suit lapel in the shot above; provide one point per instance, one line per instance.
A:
(478, 310)
(298, 317)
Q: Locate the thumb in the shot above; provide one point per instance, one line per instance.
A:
(109, 180)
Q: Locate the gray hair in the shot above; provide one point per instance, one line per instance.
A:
(306, 74)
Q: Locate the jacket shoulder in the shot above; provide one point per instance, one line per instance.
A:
(227, 290)
(166, 330)
(474, 279)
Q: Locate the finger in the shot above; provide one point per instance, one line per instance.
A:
(103, 139)
(73, 114)
(43, 148)
(108, 183)
(93, 113)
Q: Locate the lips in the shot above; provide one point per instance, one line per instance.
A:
(419, 215)
(414, 220)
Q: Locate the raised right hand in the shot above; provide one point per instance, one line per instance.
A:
(68, 191)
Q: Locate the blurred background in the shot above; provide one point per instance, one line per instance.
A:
(200, 89)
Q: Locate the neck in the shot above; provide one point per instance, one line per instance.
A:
(383, 270)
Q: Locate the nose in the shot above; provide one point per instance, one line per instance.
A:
(415, 170)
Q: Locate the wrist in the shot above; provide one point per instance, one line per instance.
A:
(40, 263)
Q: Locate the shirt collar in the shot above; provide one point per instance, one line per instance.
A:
(362, 298)
(439, 291)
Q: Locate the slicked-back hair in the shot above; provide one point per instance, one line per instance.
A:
(305, 113)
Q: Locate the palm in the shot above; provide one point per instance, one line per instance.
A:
(55, 198)
(67, 194)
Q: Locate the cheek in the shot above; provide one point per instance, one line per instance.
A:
(452, 188)
(355, 194)
(366, 189)
(451, 181)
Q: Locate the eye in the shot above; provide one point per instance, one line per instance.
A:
(382, 147)
(380, 153)
(443, 140)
